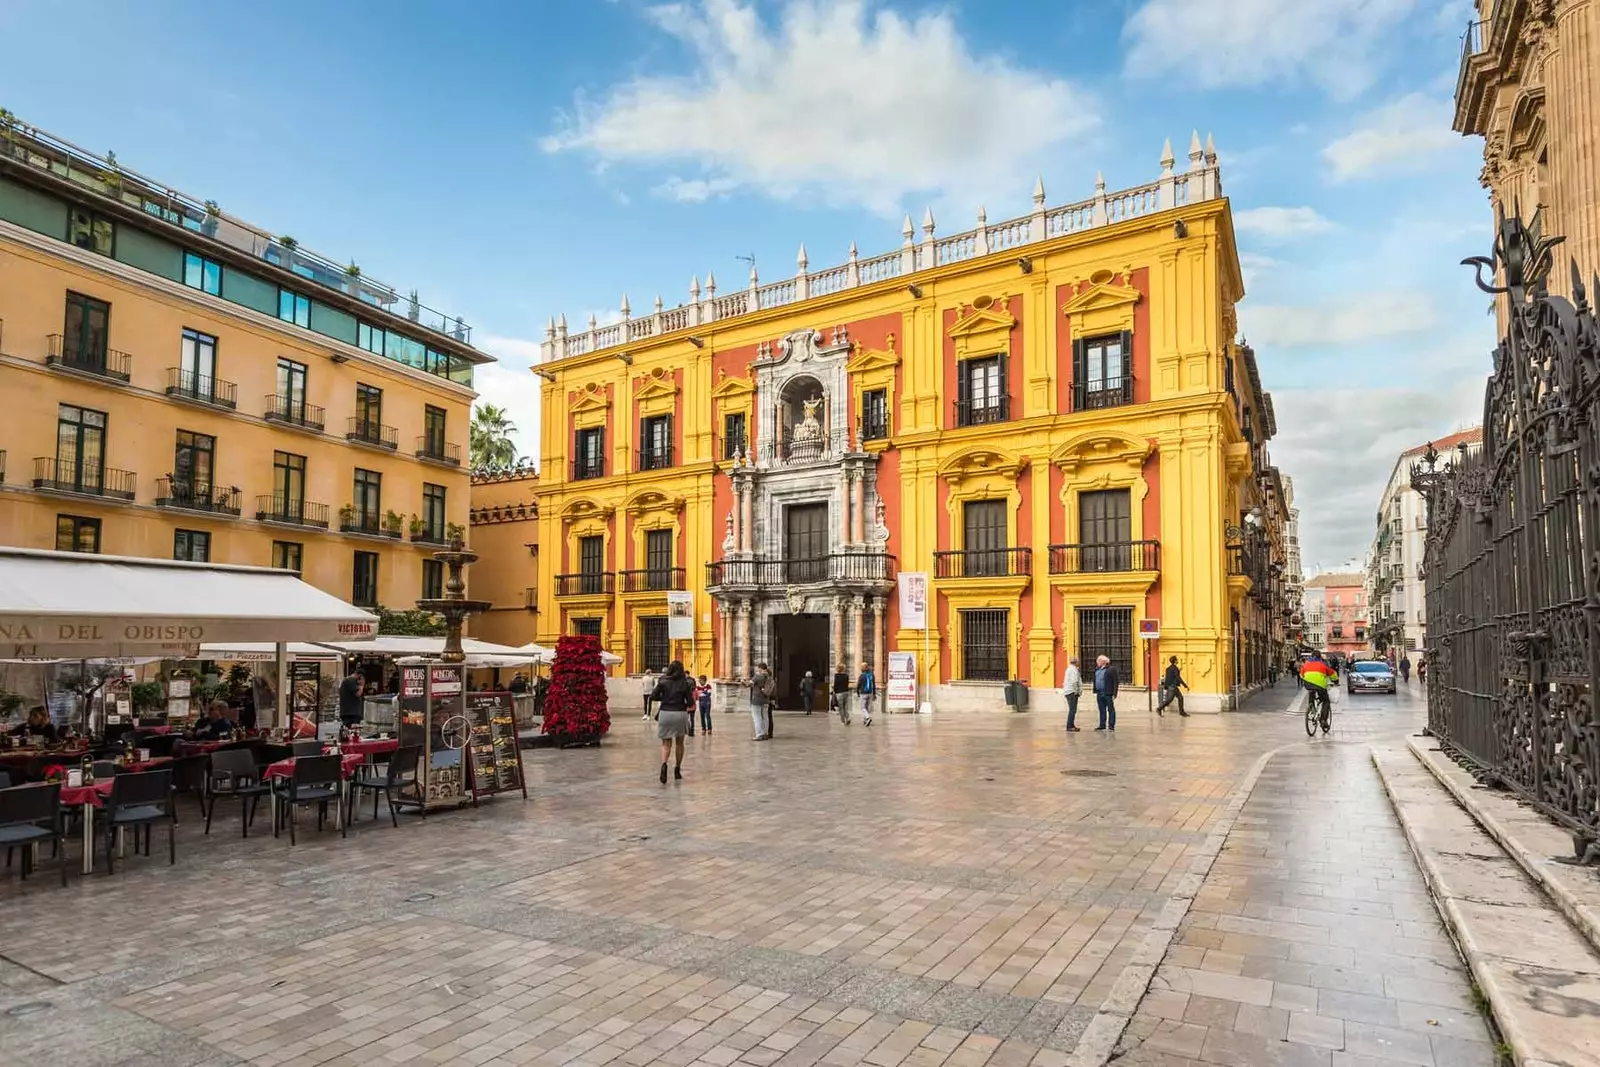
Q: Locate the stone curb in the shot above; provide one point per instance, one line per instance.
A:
(1540, 976)
(1099, 1039)
(1528, 837)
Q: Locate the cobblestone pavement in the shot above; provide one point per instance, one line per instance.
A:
(963, 890)
(1313, 941)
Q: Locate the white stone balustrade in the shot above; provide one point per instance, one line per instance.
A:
(919, 251)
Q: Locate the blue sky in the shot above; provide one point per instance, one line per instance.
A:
(513, 161)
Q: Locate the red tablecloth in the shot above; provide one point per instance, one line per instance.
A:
(147, 765)
(284, 768)
(152, 729)
(198, 748)
(74, 795)
(373, 747)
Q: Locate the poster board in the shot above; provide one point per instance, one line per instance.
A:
(494, 757)
(913, 600)
(680, 615)
(431, 716)
(901, 691)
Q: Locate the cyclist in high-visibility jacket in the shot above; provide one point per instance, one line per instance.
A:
(1315, 673)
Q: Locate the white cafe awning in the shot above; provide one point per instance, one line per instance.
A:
(73, 604)
(266, 651)
(393, 645)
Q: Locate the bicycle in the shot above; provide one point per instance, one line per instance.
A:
(1314, 697)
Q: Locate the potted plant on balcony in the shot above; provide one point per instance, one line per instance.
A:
(393, 523)
(111, 175)
(454, 531)
(347, 516)
(417, 526)
(208, 225)
(352, 278)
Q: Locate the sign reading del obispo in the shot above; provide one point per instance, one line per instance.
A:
(25, 631)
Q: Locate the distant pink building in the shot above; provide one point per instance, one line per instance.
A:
(1344, 611)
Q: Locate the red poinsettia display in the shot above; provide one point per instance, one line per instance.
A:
(55, 772)
(575, 708)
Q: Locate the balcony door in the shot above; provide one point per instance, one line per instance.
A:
(591, 564)
(369, 412)
(292, 390)
(193, 460)
(198, 372)
(80, 448)
(1104, 530)
(658, 559)
(289, 485)
(805, 542)
(986, 537)
(87, 329)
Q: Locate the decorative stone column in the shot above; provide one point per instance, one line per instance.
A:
(858, 486)
(858, 614)
(846, 494)
(836, 647)
(746, 538)
(880, 640)
(746, 662)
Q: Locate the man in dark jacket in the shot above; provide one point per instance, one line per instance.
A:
(352, 708)
(1106, 683)
(1171, 684)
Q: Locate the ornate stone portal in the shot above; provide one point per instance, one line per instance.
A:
(805, 575)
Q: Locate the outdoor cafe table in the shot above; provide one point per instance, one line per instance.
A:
(88, 797)
(375, 746)
(200, 748)
(284, 768)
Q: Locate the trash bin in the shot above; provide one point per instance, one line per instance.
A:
(1017, 695)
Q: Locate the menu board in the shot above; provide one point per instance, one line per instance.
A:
(496, 757)
(447, 737)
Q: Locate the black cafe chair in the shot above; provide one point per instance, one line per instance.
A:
(314, 780)
(232, 772)
(30, 814)
(402, 769)
(140, 801)
(5, 779)
(311, 747)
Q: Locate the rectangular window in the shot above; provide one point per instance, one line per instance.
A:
(291, 389)
(369, 409)
(367, 499)
(432, 579)
(1102, 375)
(202, 273)
(874, 415)
(93, 232)
(74, 533)
(292, 307)
(433, 430)
(733, 435)
(197, 371)
(80, 449)
(657, 650)
(655, 443)
(987, 538)
(371, 338)
(88, 328)
(591, 554)
(364, 584)
(1106, 632)
(658, 559)
(433, 511)
(287, 555)
(590, 459)
(1338, 631)
(288, 485)
(981, 391)
(805, 542)
(1104, 530)
(193, 461)
(983, 644)
(586, 627)
(191, 545)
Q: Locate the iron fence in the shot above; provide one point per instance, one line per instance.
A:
(1512, 556)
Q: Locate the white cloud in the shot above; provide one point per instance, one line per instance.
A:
(1254, 42)
(1404, 135)
(1254, 264)
(858, 106)
(1353, 319)
(1281, 223)
(511, 385)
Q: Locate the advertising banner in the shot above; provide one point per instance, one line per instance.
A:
(914, 600)
(901, 694)
(680, 615)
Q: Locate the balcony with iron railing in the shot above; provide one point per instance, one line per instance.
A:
(435, 450)
(294, 411)
(426, 533)
(189, 495)
(353, 520)
(1097, 558)
(983, 412)
(69, 355)
(864, 568)
(653, 579)
(55, 474)
(369, 432)
(291, 511)
(983, 563)
(735, 445)
(185, 384)
(1103, 393)
(585, 469)
(593, 583)
(655, 459)
(874, 426)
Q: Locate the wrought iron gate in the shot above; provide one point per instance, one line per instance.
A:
(1512, 558)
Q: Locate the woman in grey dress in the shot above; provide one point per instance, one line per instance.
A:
(673, 696)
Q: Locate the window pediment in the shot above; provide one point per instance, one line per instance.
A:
(976, 463)
(1105, 305)
(868, 360)
(583, 508)
(1101, 449)
(730, 389)
(650, 500)
(590, 405)
(984, 327)
(657, 392)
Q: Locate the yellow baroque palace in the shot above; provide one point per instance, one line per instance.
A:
(1048, 418)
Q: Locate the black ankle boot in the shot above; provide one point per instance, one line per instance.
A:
(663, 773)
(677, 772)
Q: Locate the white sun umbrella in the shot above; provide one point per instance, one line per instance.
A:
(548, 655)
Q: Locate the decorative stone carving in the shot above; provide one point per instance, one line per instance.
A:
(806, 440)
(800, 346)
(880, 523)
(797, 600)
(727, 539)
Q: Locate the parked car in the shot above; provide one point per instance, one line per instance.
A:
(1369, 676)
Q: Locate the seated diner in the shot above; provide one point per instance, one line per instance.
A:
(217, 725)
(38, 728)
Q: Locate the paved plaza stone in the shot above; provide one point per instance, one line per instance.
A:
(959, 890)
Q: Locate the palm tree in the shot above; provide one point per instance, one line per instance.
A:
(489, 440)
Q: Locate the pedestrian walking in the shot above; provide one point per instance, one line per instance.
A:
(649, 680)
(761, 690)
(1072, 689)
(702, 699)
(1405, 669)
(808, 690)
(839, 694)
(673, 696)
(1172, 686)
(1422, 670)
(1106, 683)
(866, 692)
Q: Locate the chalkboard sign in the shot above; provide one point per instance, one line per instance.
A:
(496, 757)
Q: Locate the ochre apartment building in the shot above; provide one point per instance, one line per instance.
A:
(179, 384)
(1048, 417)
